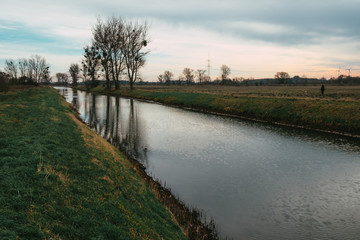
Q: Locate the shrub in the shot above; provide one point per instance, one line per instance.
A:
(4, 82)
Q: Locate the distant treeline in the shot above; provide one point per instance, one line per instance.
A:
(247, 82)
(296, 80)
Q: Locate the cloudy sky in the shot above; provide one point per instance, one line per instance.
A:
(255, 38)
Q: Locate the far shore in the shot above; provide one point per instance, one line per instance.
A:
(337, 111)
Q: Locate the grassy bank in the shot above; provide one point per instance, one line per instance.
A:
(338, 110)
(59, 180)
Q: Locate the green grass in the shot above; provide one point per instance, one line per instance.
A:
(338, 110)
(60, 180)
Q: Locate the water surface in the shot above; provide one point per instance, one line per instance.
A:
(257, 181)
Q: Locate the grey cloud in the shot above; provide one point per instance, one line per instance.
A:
(306, 21)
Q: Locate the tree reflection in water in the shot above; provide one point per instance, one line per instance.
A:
(108, 116)
(74, 101)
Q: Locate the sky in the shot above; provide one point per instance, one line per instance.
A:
(256, 39)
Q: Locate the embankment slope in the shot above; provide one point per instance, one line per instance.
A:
(60, 180)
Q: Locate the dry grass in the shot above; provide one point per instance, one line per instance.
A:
(108, 179)
(97, 163)
(99, 143)
(63, 178)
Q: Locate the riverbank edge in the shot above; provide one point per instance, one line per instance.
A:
(44, 168)
(191, 220)
(193, 107)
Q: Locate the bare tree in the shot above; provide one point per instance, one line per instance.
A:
(74, 71)
(11, 68)
(23, 66)
(225, 72)
(282, 77)
(188, 74)
(33, 67)
(168, 77)
(102, 43)
(161, 79)
(135, 39)
(200, 73)
(116, 30)
(37, 66)
(29, 72)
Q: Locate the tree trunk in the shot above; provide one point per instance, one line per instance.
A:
(107, 80)
(131, 85)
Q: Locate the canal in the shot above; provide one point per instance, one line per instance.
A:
(257, 181)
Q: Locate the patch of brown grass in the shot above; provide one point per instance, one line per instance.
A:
(49, 170)
(108, 179)
(53, 236)
(95, 141)
(63, 178)
(5, 105)
(97, 163)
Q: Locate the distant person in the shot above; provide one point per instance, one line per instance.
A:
(322, 89)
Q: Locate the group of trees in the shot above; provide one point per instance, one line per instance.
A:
(32, 70)
(189, 76)
(166, 77)
(62, 78)
(74, 74)
(74, 71)
(116, 50)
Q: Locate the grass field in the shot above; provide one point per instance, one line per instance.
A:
(338, 110)
(59, 180)
(295, 91)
